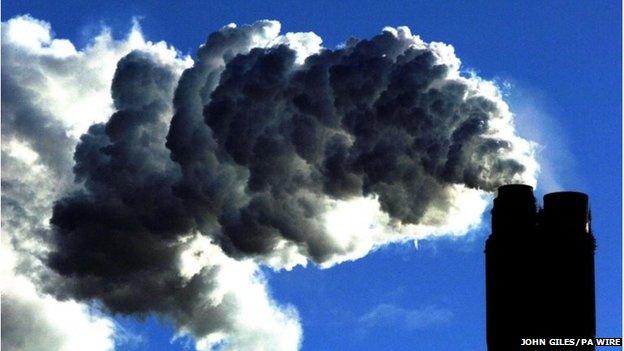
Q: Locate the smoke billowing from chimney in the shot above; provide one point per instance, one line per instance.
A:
(271, 150)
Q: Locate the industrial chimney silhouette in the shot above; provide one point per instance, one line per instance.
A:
(539, 269)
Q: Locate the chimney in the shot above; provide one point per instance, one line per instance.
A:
(567, 212)
(514, 209)
(539, 269)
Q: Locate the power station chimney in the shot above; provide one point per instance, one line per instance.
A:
(539, 269)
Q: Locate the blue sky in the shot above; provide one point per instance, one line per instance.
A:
(561, 61)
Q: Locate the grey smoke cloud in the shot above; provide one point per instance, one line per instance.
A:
(120, 239)
(269, 150)
(380, 117)
(123, 224)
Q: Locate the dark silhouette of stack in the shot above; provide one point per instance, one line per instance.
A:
(539, 269)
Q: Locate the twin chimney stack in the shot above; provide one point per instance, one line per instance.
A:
(539, 269)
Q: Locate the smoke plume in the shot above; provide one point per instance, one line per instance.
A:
(270, 150)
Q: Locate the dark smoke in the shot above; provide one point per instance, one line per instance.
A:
(120, 239)
(257, 145)
(122, 229)
(358, 121)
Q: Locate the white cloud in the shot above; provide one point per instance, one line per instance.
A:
(359, 226)
(392, 316)
(253, 320)
(69, 90)
(72, 85)
(65, 89)
(35, 321)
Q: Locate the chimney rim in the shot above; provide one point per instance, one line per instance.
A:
(514, 190)
(576, 195)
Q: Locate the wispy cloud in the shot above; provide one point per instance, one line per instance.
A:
(386, 315)
(537, 117)
(130, 339)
